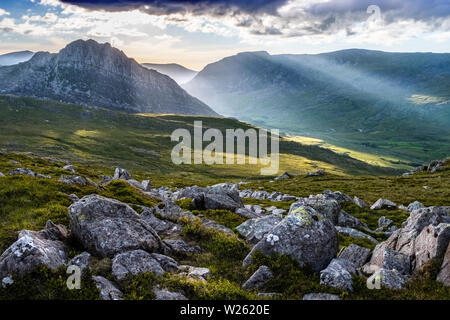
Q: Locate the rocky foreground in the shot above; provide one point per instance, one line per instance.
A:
(148, 239)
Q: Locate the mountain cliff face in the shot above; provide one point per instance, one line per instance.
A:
(90, 73)
(177, 72)
(372, 100)
(12, 58)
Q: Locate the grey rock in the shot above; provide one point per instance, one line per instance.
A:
(73, 180)
(22, 171)
(162, 227)
(383, 222)
(171, 211)
(1, 174)
(70, 168)
(414, 206)
(32, 249)
(338, 196)
(283, 176)
(383, 204)
(167, 263)
(73, 197)
(391, 279)
(146, 185)
(108, 290)
(349, 221)
(82, 260)
(7, 281)
(218, 198)
(198, 272)
(254, 230)
(135, 183)
(355, 234)
(338, 274)
(122, 174)
(180, 247)
(17, 163)
(360, 203)
(320, 296)
(245, 213)
(279, 211)
(355, 254)
(165, 294)
(255, 208)
(326, 206)
(107, 227)
(215, 225)
(303, 234)
(319, 172)
(133, 263)
(388, 259)
(258, 279)
(435, 165)
(431, 243)
(444, 274)
(54, 231)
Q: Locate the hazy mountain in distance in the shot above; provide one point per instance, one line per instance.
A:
(12, 58)
(397, 103)
(177, 72)
(90, 73)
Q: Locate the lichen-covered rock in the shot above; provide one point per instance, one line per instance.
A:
(316, 173)
(435, 165)
(254, 230)
(349, 221)
(384, 222)
(162, 227)
(122, 174)
(320, 296)
(303, 234)
(108, 290)
(383, 204)
(167, 263)
(22, 171)
(283, 176)
(165, 294)
(195, 272)
(355, 254)
(326, 206)
(355, 234)
(338, 274)
(360, 203)
(218, 198)
(258, 279)
(414, 206)
(431, 243)
(171, 211)
(180, 247)
(32, 249)
(391, 279)
(107, 227)
(70, 168)
(134, 263)
(337, 195)
(82, 260)
(384, 257)
(73, 180)
(444, 274)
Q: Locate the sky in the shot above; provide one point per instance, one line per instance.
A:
(197, 32)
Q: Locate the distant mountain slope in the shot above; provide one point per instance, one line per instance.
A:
(392, 103)
(86, 72)
(177, 72)
(12, 58)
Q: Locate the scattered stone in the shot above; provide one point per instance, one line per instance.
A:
(254, 230)
(435, 165)
(195, 272)
(82, 260)
(391, 279)
(414, 206)
(108, 290)
(255, 208)
(14, 162)
(349, 221)
(7, 281)
(171, 211)
(245, 213)
(73, 180)
(360, 203)
(355, 254)
(444, 274)
(215, 225)
(337, 195)
(426, 187)
(303, 234)
(167, 263)
(338, 274)
(402, 207)
(107, 227)
(162, 227)
(121, 174)
(269, 295)
(32, 249)
(283, 176)
(258, 279)
(22, 171)
(134, 263)
(355, 234)
(180, 247)
(316, 173)
(146, 185)
(73, 197)
(320, 296)
(383, 204)
(165, 294)
(383, 222)
(70, 168)
(218, 198)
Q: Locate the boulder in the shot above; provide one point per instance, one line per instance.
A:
(355, 254)
(165, 294)
(255, 208)
(355, 234)
(246, 213)
(326, 206)
(383, 222)
(82, 260)
(162, 227)
(337, 195)
(391, 279)
(108, 290)
(414, 206)
(218, 198)
(283, 176)
(338, 274)
(215, 225)
(435, 165)
(73, 180)
(195, 272)
(320, 296)
(22, 171)
(316, 173)
(360, 203)
(254, 230)
(431, 243)
(146, 185)
(73, 197)
(444, 274)
(303, 234)
(70, 168)
(133, 263)
(107, 227)
(181, 248)
(258, 279)
(383, 204)
(167, 263)
(122, 174)
(349, 221)
(32, 249)
(171, 211)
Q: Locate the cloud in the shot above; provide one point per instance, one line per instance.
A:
(3, 12)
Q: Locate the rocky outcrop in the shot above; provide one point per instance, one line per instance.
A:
(134, 263)
(338, 274)
(107, 227)
(218, 198)
(414, 206)
(195, 272)
(355, 254)
(328, 207)
(167, 263)
(33, 249)
(258, 279)
(431, 243)
(254, 230)
(305, 235)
